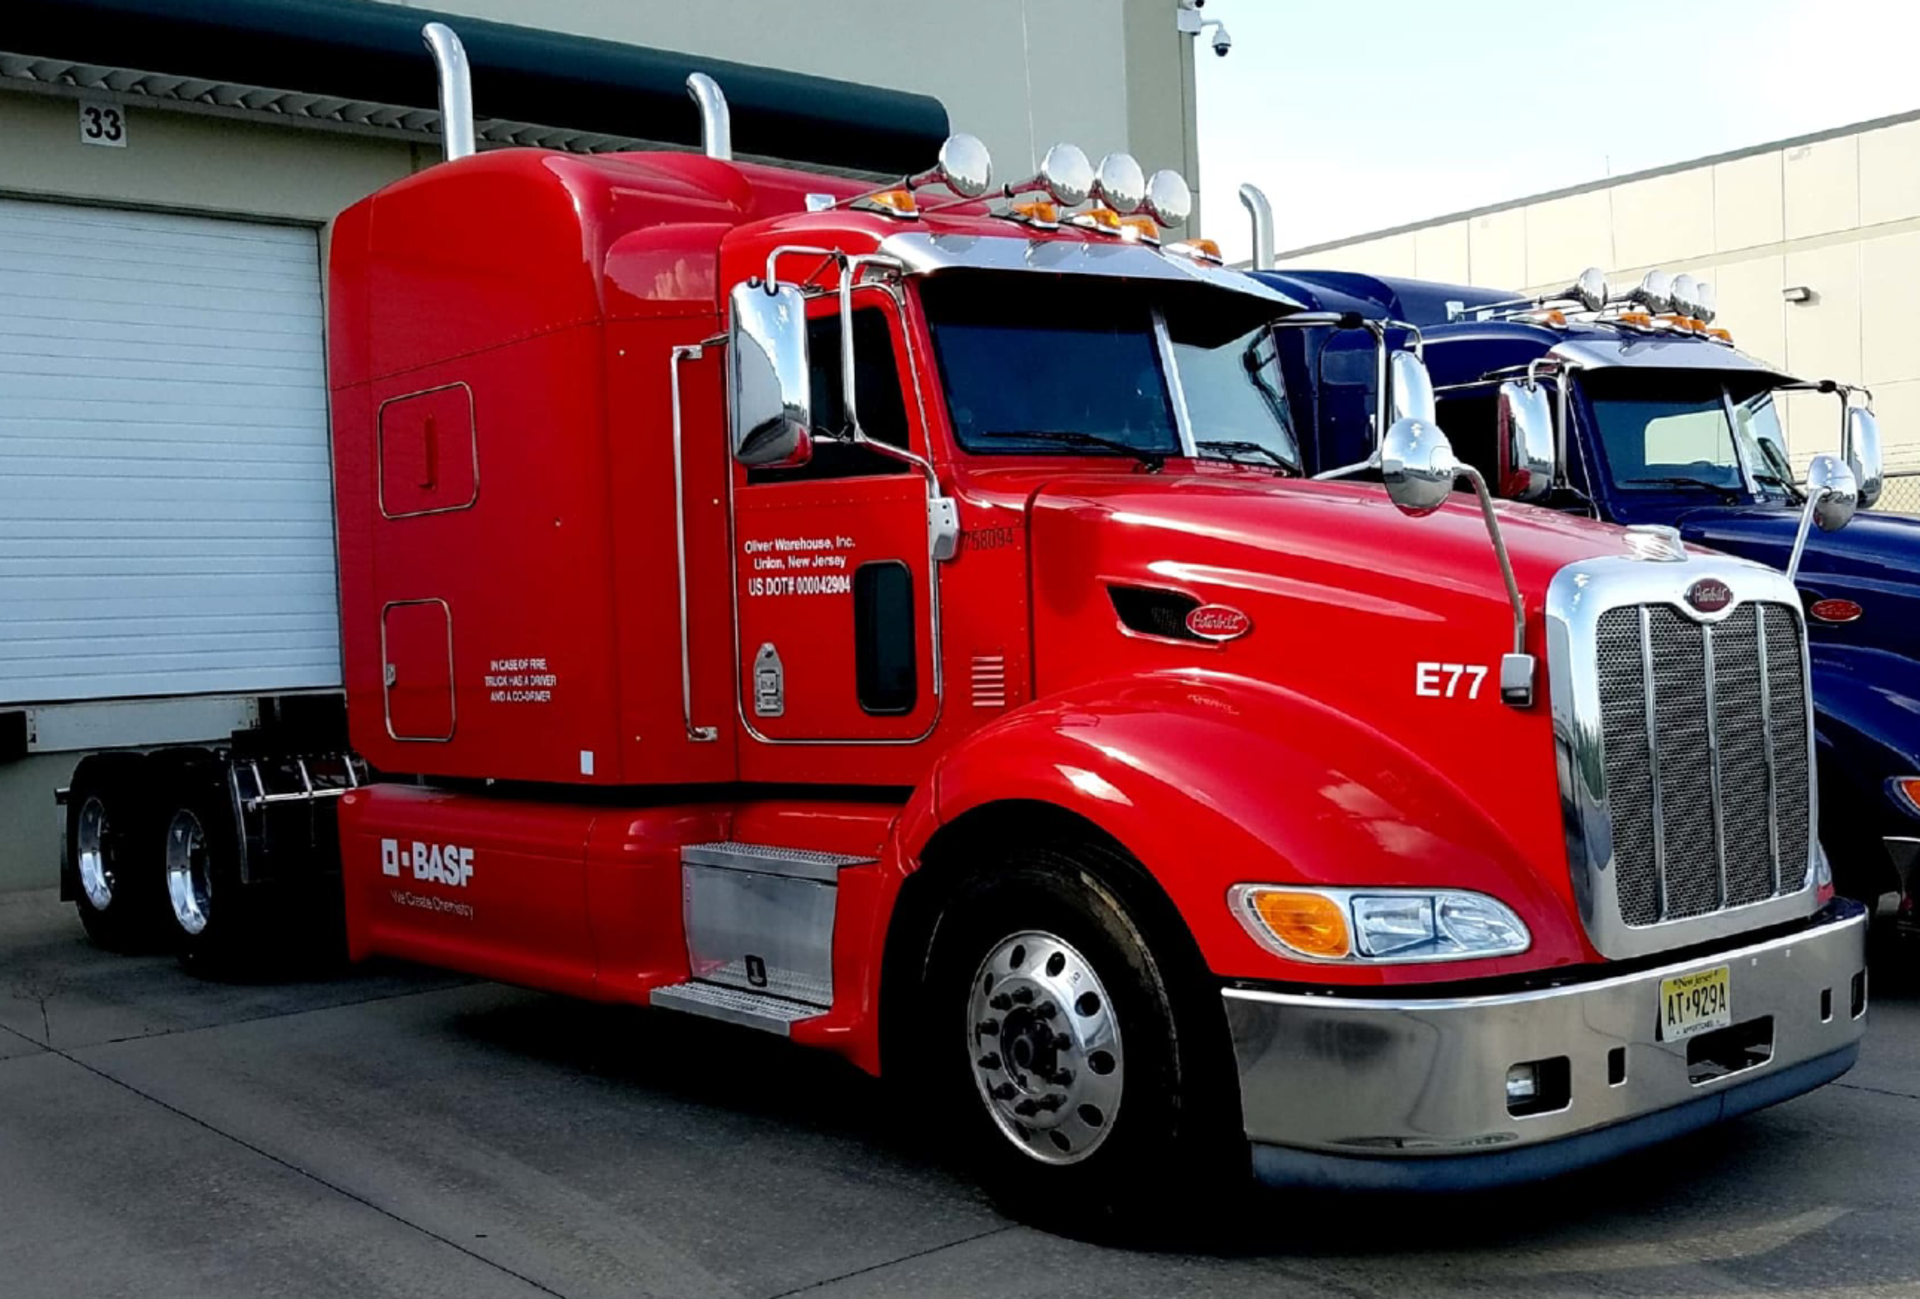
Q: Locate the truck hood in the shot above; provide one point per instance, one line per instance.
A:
(1395, 626)
(1873, 561)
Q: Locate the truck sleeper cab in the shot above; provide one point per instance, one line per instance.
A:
(1104, 838)
(903, 627)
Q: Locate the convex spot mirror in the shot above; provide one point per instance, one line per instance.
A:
(1526, 445)
(1863, 454)
(769, 399)
(1835, 493)
(1418, 466)
(965, 166)
(1066, 175)
(1120, 184)
(1412, 388)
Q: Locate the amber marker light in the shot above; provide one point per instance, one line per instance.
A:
(1142, 228)
(1038, 211)
(1310, 924)
(1907, 788)
(897, 202)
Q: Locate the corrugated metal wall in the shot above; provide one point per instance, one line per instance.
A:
(165, 497)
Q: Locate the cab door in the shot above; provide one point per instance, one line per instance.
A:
(834, 582)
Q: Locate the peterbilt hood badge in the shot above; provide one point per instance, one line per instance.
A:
(1709, 595)
(1218, 622)
(1835, 610)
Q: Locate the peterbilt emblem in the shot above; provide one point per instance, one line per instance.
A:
(1835, 610)
(1218, 622)
(1709, 595)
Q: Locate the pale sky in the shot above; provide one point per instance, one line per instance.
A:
(1366, 114)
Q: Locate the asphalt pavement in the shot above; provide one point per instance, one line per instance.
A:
(394, 1131)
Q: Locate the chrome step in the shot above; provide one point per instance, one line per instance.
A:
(748, 1009)
(762, 859)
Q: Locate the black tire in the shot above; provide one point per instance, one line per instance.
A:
(1174, 1121)
(112, 865)
(209, 925)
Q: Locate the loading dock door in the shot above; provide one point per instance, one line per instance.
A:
(166, 522)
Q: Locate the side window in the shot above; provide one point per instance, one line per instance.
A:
(877, 392)
(883, 637)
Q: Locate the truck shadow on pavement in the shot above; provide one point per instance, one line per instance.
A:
(1767, 1186)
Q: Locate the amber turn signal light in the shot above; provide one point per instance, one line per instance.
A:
(1308, 923)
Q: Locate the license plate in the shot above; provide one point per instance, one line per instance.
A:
(1694, 1003)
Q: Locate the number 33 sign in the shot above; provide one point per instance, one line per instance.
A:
(104, 124)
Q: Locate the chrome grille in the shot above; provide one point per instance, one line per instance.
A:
(1703, 729)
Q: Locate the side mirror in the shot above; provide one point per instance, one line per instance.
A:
(1418, 466)
(1833, 492)
(769, 396)
(1832, 497)
(1412, 388)
(1862, 451)
(1526, 447)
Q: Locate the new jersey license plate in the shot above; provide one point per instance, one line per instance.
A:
(1695, 1003)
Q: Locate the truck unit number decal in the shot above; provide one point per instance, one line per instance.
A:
(1442, 680)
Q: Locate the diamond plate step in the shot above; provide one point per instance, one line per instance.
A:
(793, 863)
(748, 1009)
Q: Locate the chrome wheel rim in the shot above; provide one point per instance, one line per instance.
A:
(1044, 1045)
(189, 886)
(90, 852)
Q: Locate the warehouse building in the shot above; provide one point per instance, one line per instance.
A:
(1812, 245)
(167, 168)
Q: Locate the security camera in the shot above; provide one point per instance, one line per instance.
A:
(1192, 4)
(1222, 42)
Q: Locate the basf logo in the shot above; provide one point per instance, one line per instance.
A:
(435, 863)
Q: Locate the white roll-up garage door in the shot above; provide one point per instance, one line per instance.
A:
(166, 522)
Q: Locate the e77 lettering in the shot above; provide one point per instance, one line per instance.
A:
(1442, 680)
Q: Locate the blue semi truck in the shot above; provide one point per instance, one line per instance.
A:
(1632, 408)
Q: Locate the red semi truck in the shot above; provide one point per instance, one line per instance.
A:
(896, 620)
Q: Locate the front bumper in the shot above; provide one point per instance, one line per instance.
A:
(1411, 1092)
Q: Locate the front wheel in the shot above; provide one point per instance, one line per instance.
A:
(1091, 1067)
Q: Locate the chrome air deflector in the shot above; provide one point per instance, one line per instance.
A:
(1698, 823)
(1662, 352)
(928, 254)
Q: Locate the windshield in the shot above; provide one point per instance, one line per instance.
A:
(1663, 435)
(1022, 362)
(1073, 365)
(1756, 422)
(1236, 399)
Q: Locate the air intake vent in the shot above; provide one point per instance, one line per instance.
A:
(1153, 612)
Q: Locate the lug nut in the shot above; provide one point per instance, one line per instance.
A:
(1053, 1102)
(1062, 1078)
(1004, 1092)
(1061, 1041)
(1046, 1010)
(1001, 1001)
(991, 1060)
(1023, 995)
(1026, 1109)
(987, 1027)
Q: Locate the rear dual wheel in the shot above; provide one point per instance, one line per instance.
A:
(112, 851)
(200, 865)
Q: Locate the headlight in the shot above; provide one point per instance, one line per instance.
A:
(1379, 925)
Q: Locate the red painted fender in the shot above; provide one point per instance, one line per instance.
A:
(1213, 780)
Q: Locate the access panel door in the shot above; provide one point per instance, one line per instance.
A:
(416, 639)
(832, 573)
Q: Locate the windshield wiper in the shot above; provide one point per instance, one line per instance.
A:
(1774, 480)
(1681, 480)
(1233, 448)
(1153, 460)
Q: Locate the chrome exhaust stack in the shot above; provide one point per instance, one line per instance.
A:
(456, 89)
(1261, 211)
(716, 126)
